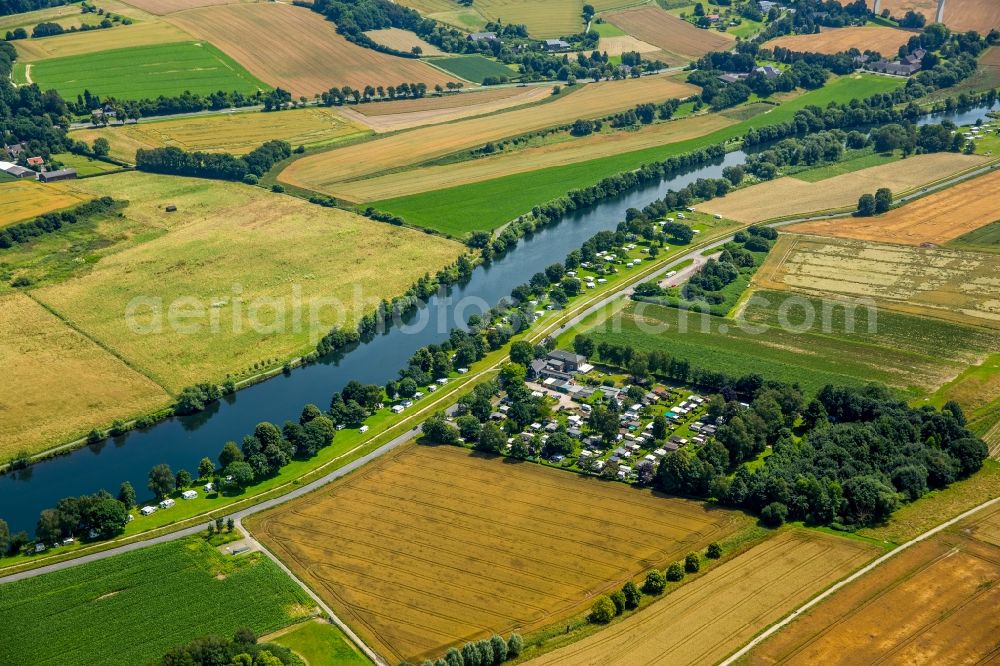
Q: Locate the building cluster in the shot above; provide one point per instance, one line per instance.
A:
(907, 66)
(35, 168)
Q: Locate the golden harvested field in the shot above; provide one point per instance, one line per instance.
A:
(58, 384)
(675, 36)
(22, 200)
(145, 33)
(236, 133)
(898, 8)
(709, 618)
(169, 6)
(615, 46)
(935, 603)
(959, 286)
(406, 114)
(266, 275)
(402, 40)
(530, 159)
(979, 15)
(837, 40)
(937, 218)
(298, 50)
(785, 197)
(322, 171)
(429, 547)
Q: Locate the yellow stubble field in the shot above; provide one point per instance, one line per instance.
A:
(25, 199)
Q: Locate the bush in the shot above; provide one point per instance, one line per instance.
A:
(675, 572)
(603, 610)
(655, 583)
(714, 551)
(691, 563)
(774, 514)
(278, 188)
(618, 599)
(632, 595)
(250, 179)
(514, 645)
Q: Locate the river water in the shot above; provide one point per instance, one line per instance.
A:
(182, 441)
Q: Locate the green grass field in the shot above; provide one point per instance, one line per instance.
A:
(322, 644)
(772, 338)
(132, 608)
(85, 166)
(473, 67)
(146, 72)
(984, 239)
(853, 163)
(607, 29)
(489, 204)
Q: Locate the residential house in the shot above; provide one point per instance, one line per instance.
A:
(36, 161)
(569, 361)
(483, 37)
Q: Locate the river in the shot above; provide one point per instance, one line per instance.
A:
(182, 441)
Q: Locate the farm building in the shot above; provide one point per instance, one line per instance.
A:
(16, 171)
(36, 161)
(15, 150)
(556, 45)
(483, 37)
(53, 176)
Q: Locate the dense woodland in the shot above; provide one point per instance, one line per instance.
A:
(20, 6)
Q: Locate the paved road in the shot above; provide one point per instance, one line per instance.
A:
(850, 579)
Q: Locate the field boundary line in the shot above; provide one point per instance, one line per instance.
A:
(73, 325)
(371, 654)
(791, 617)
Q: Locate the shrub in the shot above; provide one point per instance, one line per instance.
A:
(618, 599)
(632, 595)
(774, 514)
(250, 179)
(514, 645)
(714, 551)
(278, 187)
(603, 610)
(655, 583)
(691, 563)
(675, 572)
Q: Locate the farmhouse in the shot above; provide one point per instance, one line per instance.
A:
(36, 161)
(556, 45)
(908, 66)
(483, 37)
(53, 176)
(16, 171)
(767, 71)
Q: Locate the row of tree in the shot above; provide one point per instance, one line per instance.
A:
(242, 650)
(490, 651)
(249, 167)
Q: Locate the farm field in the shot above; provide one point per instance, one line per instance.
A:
(679, 40)
(837, 40)
(322, 171)
(864, 160)
(947, 586)
(979, 15)
(236, 133)
(473, 68)
(202, 254)
(26, 199)
(932, 282)
(58, 384)
(166, 69)
(170, 6)
(984, 239)
(430, 178)
(491, 203)
(938, 218)
(405, 114)
(298, 50)
(788, 197)
(140, 34)
(320, 643)
(615, 46)
(162, 596)
(805, 355)
(65, 15)
(402, 40)
(490, 545)
(704, 620)
(85, 166)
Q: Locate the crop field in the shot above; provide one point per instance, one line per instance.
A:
(491, 203)
(58, 384)
(984, 239)
(403, 40)
(837, 40)
(170, 6)
(615, 46)
(473, 68)
(935, 603)
(85, 166)
(329, 269)
(65, 15)
(430, 178)
(146, 72)
(405, 114)
(145, 33)
(550, 18)
(812, 356)
(944, 216)
(321, 172)
(674, 36)
(933, 282)
(490, 547)
(25, 199)
(236, 133)
(979, 15)
(298, 50)
(158, 597)
(787, 197)
(708, 618)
